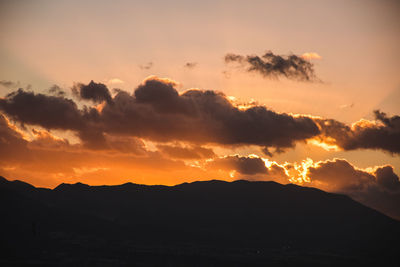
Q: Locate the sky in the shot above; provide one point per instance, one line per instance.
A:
(166, 92)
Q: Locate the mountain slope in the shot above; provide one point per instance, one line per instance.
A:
(245, 221)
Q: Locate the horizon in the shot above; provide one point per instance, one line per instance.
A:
(211, 180)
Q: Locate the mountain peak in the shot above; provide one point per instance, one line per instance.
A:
(76, 186)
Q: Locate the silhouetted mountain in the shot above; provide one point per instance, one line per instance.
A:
(213, 223)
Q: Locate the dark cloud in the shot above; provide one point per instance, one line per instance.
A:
(383, 134)
(266, 151)
(158, 112)
(243, 165)
(96, 92)
(190, 65)
(147, 66)
(9, 84)
(56, 91)
(379, 189)
(340, 176)
(50, 112)
(93, 138)
(54, 112)
(161, 95)
(270, 65)
(186, 152)
(386, 177)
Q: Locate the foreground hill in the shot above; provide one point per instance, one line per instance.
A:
(196, 224)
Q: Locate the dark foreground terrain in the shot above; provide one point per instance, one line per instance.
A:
(210, 223)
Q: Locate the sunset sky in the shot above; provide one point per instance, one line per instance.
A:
(166, 92)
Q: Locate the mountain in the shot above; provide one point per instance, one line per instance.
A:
(211, 223)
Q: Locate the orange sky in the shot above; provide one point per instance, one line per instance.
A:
(150, 137)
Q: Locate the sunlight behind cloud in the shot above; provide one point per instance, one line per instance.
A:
(311, 55)
(115, 81)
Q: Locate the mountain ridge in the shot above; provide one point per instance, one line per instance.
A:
(240, 215)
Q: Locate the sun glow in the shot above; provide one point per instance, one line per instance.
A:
(324, 145)
(311, 55)
(299, 171)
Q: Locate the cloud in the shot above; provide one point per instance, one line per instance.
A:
(125, 144)
(311, 55)
(249, 167)
(243, 165)
(377, 187)
(386, 178)
(9, 84)
(190, 65)
(96, 92)
(147, 66)
(270, 65)
(157, 111)
(50, 112)
(383, 134)
(12, 143)
(339, 175)
(115, 81)
(346, 106)
(45, 140)
(56, 90)
(186, 152)
(161, 95)
(266, 151)
(54, 112)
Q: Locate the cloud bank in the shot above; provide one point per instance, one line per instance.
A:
(157, 111)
